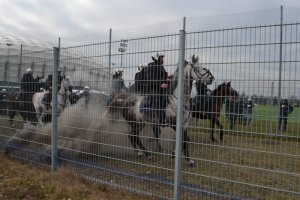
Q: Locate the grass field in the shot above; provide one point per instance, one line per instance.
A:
(26, 181)
(267, 112)
(255, 162)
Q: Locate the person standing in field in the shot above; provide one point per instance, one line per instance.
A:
(285, 109)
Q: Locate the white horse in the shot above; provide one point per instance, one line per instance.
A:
(62, 100)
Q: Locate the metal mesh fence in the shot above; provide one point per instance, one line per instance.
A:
(113, 134)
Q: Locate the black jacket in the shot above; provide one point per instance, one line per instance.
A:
(285, 108)
(155, 76)
(140, 80)
(48, 83)
(28, 83)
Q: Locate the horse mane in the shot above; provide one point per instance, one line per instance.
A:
(215, 91)
(174, 80)
(175, 75)
(228, 85)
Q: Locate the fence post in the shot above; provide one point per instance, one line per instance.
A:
(179, 119)
(43, 69)
(20, 63)
(54, 109)
(109, 58)
(58, 58)
(280, 70)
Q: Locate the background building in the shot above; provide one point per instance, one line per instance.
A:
(17, 54)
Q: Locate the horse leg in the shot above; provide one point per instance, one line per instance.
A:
(135, 138)
(157, 132)
(11, 114)
(212, 127)
(221, 128)
(39, 115)
(131, 138)
(185, 147)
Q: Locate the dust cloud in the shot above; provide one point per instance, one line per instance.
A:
(88, 128)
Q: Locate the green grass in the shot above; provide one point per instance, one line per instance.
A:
(264, 121)
(267, 112)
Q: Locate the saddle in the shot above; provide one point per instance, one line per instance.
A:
(46, 100)
(146, 105)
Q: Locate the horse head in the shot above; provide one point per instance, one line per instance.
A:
(226, 90)
(197, 72)
(232, 93)
(66, 84)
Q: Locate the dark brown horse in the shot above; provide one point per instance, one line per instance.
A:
(209, 107)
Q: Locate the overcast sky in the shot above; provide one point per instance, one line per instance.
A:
(70, 18)
(46, 20)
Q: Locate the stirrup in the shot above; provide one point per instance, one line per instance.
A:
(163, 122)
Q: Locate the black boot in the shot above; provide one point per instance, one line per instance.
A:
(162, 118)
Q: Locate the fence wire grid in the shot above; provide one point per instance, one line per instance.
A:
(117, 136)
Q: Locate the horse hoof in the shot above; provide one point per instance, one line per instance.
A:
(140, 154)
(150, 157)
(191, 163)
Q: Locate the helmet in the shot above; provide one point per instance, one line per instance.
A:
(59, 70)
(119, 70)
(156, 56)
(142, 66)
(3, 90)
(249, 99)
(86, 88)
(29, 71)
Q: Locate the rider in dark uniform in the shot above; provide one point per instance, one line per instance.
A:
(48, 86)
(139, 79)
(28, 85)
(156, 85)
(28, 88)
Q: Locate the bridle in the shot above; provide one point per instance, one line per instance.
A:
(199, 76)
